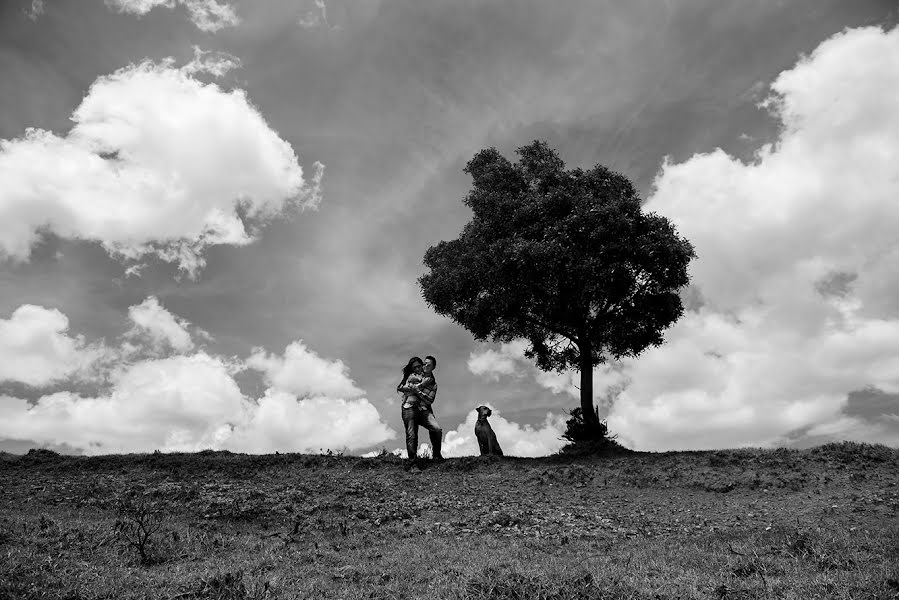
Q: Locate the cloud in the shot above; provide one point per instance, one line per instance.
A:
(36, 350)
(514, 439)
(216, 63)
(187, 403)
(796, 251)
(304, 373)
(183, 402)
(509, 360)
(161, 326)
(494, 363)
(280, 422)
(207, 15)
(792, 297)
(157, 163)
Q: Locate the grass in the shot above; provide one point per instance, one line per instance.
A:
(750, 523)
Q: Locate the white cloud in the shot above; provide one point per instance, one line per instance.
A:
(796, 257)
(514, 439)
(184, 402)
(181, 403)
(189, 403)
(161, 326)
(495, 363)
(207, 15)
(509, 360)
(214, 62)
(36, 350)
(280, 422)
(859, 430)
(795, 276)
(304, 373)
(157, 163)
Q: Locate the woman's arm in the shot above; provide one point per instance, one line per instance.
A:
(405, 387)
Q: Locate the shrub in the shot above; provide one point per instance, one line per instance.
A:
(137, 522)
(588, 438)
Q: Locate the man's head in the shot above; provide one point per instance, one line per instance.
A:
(430, 364)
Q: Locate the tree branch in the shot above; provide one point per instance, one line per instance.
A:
(553, 329)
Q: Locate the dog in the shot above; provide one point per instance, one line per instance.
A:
(484, 432)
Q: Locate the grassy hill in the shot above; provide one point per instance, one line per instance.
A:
(817, 523)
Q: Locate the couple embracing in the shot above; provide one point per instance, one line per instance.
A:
(419, 390)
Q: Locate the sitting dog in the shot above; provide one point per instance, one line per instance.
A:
(484, 432)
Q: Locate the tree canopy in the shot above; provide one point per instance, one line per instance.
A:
(566, 259)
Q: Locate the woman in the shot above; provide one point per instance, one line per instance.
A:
(419, 388)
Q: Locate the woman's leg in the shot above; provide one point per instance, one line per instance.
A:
(411, 425)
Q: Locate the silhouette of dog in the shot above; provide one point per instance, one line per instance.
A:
(484, 432)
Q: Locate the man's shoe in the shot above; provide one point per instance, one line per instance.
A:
(438, 459)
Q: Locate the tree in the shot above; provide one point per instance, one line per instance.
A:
(565, 259)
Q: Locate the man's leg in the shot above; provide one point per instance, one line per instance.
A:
(411, 424)
(429, 421)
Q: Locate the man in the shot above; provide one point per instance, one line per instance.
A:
(420, 413)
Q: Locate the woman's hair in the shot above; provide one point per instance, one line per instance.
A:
(410, 366)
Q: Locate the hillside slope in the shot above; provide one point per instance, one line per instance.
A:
(751, 523)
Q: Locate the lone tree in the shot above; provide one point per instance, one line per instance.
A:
(566, 259)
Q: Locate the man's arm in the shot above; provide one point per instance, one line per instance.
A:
(427, 391)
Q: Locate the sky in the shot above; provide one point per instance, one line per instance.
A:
(213, 216)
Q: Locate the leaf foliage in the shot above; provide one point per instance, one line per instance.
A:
(566, 259)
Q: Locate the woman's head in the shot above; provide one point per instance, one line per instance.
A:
(411, 366)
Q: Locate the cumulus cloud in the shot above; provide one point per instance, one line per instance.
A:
(792, 297)
(160, 326)
(492, 364)
(304, 373)
(187, 403)
(207, 15)
(514, 439)
(796, 251)
(509, 360)
(36, 349)
(281, 422)
(158, 163)
(183, 402)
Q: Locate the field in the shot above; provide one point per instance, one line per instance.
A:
(817, 523)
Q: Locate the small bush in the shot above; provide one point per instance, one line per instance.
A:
(588, 438)
(137, 524)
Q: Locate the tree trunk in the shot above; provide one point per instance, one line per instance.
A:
(586, 368)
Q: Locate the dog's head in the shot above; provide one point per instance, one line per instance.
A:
(484, 411)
